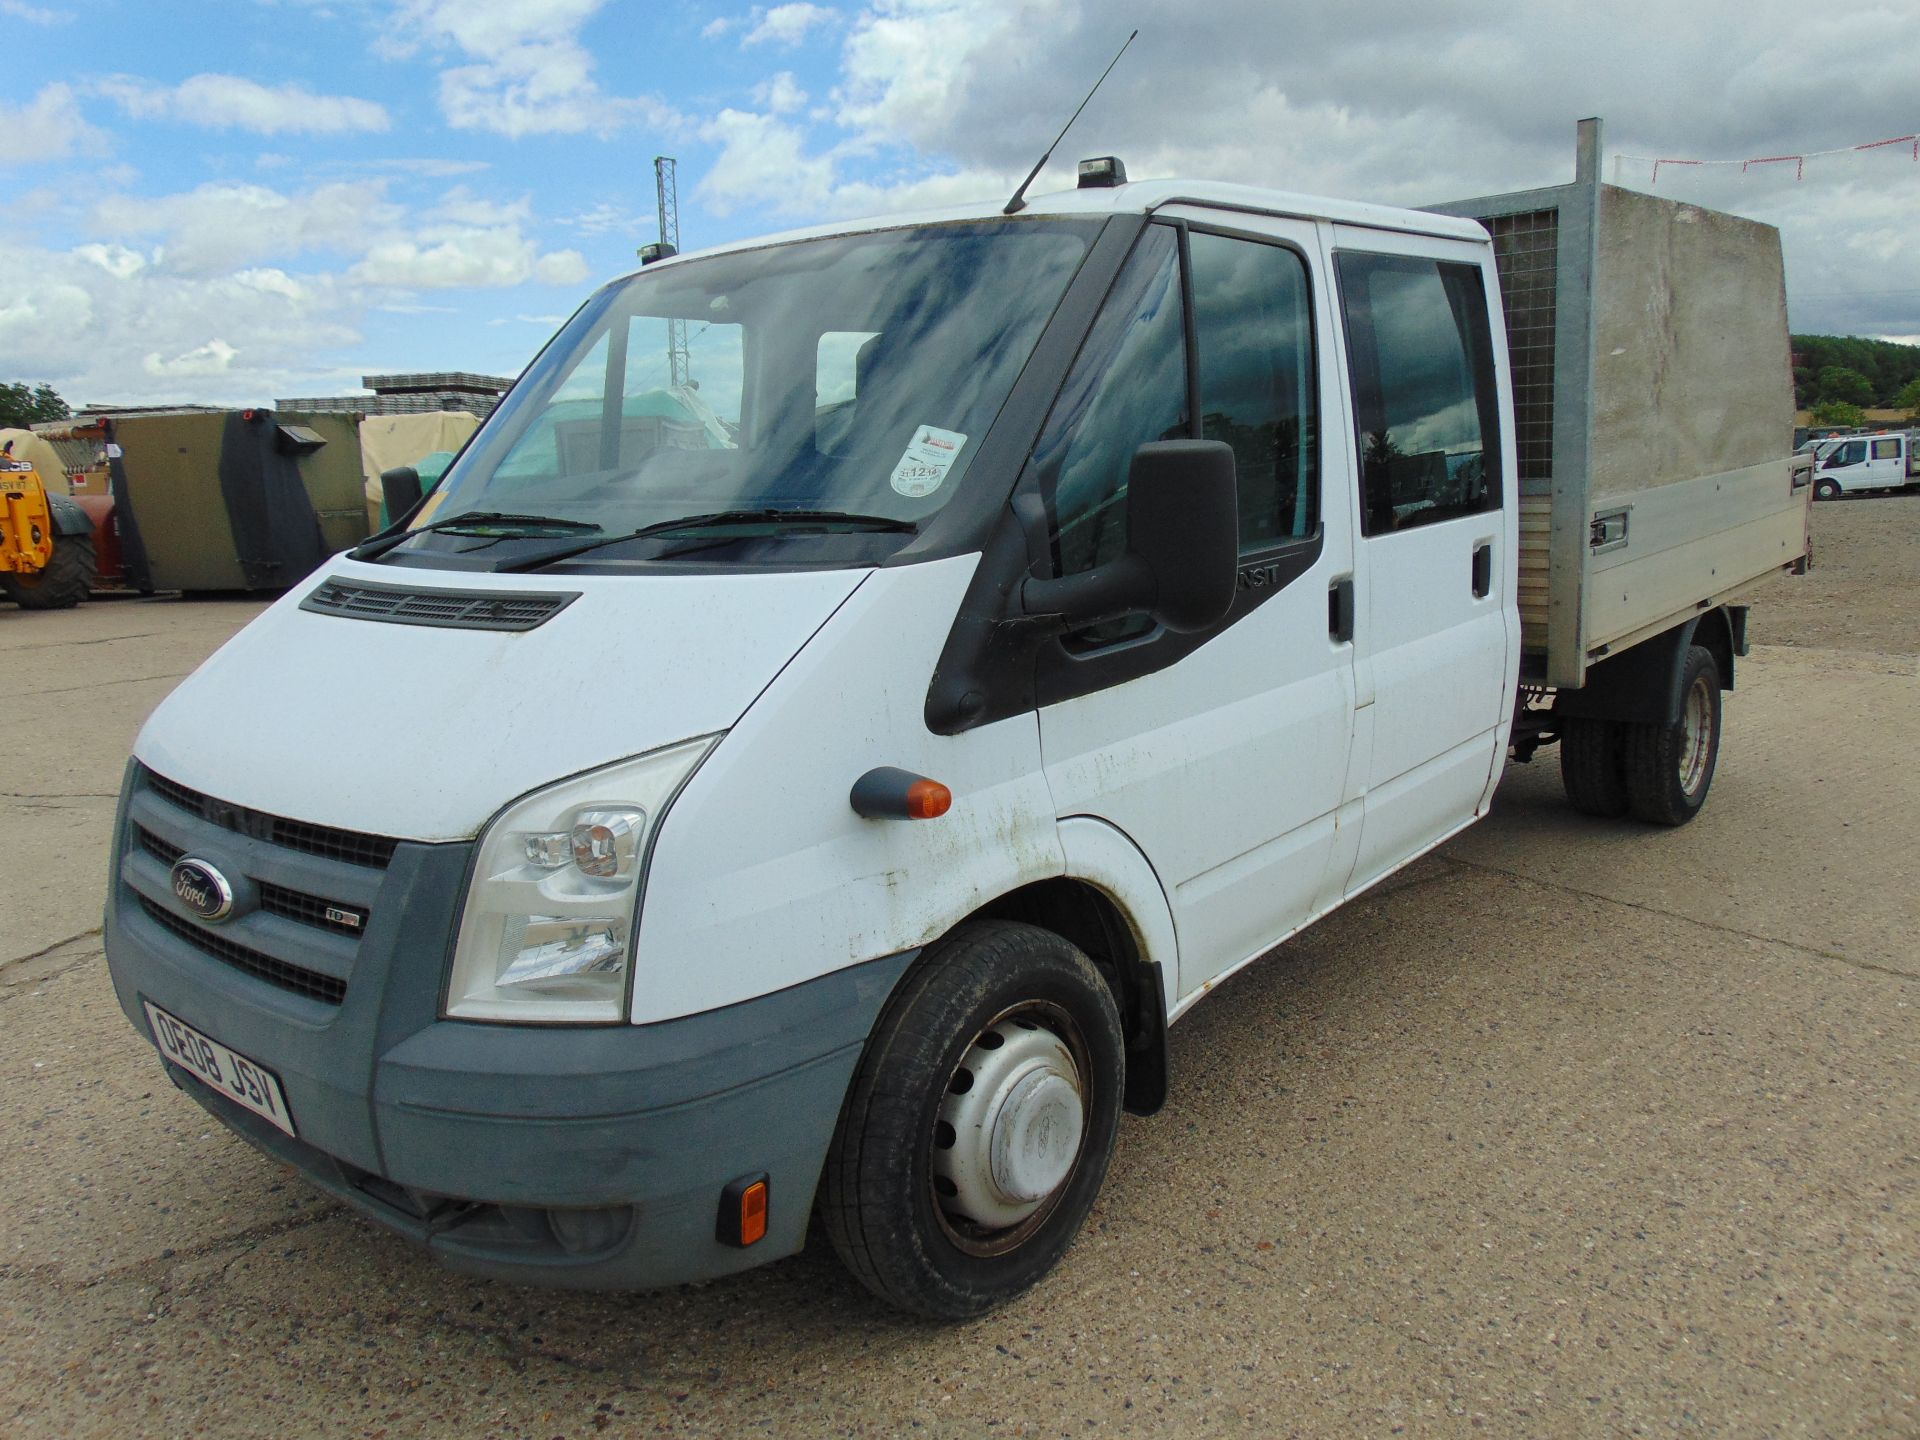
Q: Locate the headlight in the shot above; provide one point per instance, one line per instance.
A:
(547, 934)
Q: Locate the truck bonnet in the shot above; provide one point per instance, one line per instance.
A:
(423, 728)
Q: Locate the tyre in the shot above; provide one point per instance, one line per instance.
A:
(1593, 766)
(1669, 766)
(979, 1125)
(1826, 489)
(62, 584)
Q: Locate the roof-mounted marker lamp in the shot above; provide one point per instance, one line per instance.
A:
(1103, 172)
(890, 793)
(656, 250)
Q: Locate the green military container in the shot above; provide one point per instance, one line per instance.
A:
(237, 499)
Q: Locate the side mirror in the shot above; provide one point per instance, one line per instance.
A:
(1183, 545)
(401, 485)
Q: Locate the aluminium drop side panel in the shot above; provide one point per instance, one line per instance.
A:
(1692, 423)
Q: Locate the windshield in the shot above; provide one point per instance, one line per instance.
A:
(852, 378)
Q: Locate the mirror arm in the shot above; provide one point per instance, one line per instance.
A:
(1124, 586)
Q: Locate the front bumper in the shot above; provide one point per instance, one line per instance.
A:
(590, 1157)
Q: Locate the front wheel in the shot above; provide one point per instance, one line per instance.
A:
(65, 581)
(1671, 764)
(1825, 489)
(980, 1123)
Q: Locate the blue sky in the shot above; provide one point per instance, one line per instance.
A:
(237, 201)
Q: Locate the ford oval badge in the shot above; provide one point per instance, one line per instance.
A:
(202, 889)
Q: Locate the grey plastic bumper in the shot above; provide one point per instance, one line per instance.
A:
(590, 1157)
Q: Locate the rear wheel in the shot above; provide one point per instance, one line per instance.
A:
(1669, 766)
(980, 1123)
(1593, 766)
(62, 583)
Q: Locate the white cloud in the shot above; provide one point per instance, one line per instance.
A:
(465, 258)
(763, 163)
(606, 219)
(714, 29)
(34, 14)
(561, 267)
(460, 206)
(216, 357)
(786, 24)
(236, 293)
(781, 95)
(529, 72)
(48, 127)
(1386, 100)
(220, 227)
(105, 328)
(232, 102)
(116, 260)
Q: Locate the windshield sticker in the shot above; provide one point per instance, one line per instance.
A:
(923, 468)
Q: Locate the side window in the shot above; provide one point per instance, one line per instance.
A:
(1254, 335)
(1886, 449)
(1128, 386)
(841, 358)
(1423, 389)
(1851, 453)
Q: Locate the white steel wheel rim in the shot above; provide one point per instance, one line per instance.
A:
(1011, 1129)
(1696, 734)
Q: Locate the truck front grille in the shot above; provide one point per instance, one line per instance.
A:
(374, 851)
(326, 881)
(296, 978)
(339, 916)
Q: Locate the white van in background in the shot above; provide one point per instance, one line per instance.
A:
(1864, 462)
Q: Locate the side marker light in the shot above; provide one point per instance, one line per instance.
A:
(890, 793)
(743, 1212)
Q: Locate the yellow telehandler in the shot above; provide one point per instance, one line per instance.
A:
(46, 540)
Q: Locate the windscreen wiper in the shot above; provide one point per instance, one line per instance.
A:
(720, 518)
(473, 519)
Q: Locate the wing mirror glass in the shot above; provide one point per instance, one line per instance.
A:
(1183, 545)
(401, 486)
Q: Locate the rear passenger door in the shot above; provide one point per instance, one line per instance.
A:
(1436, 651)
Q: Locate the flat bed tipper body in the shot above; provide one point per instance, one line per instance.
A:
(861, 687)
(1653, 401)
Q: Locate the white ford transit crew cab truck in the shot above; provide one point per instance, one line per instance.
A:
(861, 687)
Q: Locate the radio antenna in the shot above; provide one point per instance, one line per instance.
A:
(1018, 202)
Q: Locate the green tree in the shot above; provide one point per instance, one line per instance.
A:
(1848, 386)
(1837, 412)
(1909, 400)
(21, 405)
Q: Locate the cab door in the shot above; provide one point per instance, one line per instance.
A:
(1437, 657)
(1221, 755)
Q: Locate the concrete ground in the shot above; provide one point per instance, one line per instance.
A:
(1575, 1128)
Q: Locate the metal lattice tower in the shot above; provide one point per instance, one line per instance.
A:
(667, 193)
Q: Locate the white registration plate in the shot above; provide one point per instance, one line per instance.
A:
(243, 1081)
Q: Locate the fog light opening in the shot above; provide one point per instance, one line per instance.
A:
(587, 1232)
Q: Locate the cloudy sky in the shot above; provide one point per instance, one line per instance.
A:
(236, 200)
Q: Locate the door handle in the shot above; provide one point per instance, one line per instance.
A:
(1483, 570)
(1340, 610)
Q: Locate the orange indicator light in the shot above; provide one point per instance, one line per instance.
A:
(928, 800)
(753, 1212)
